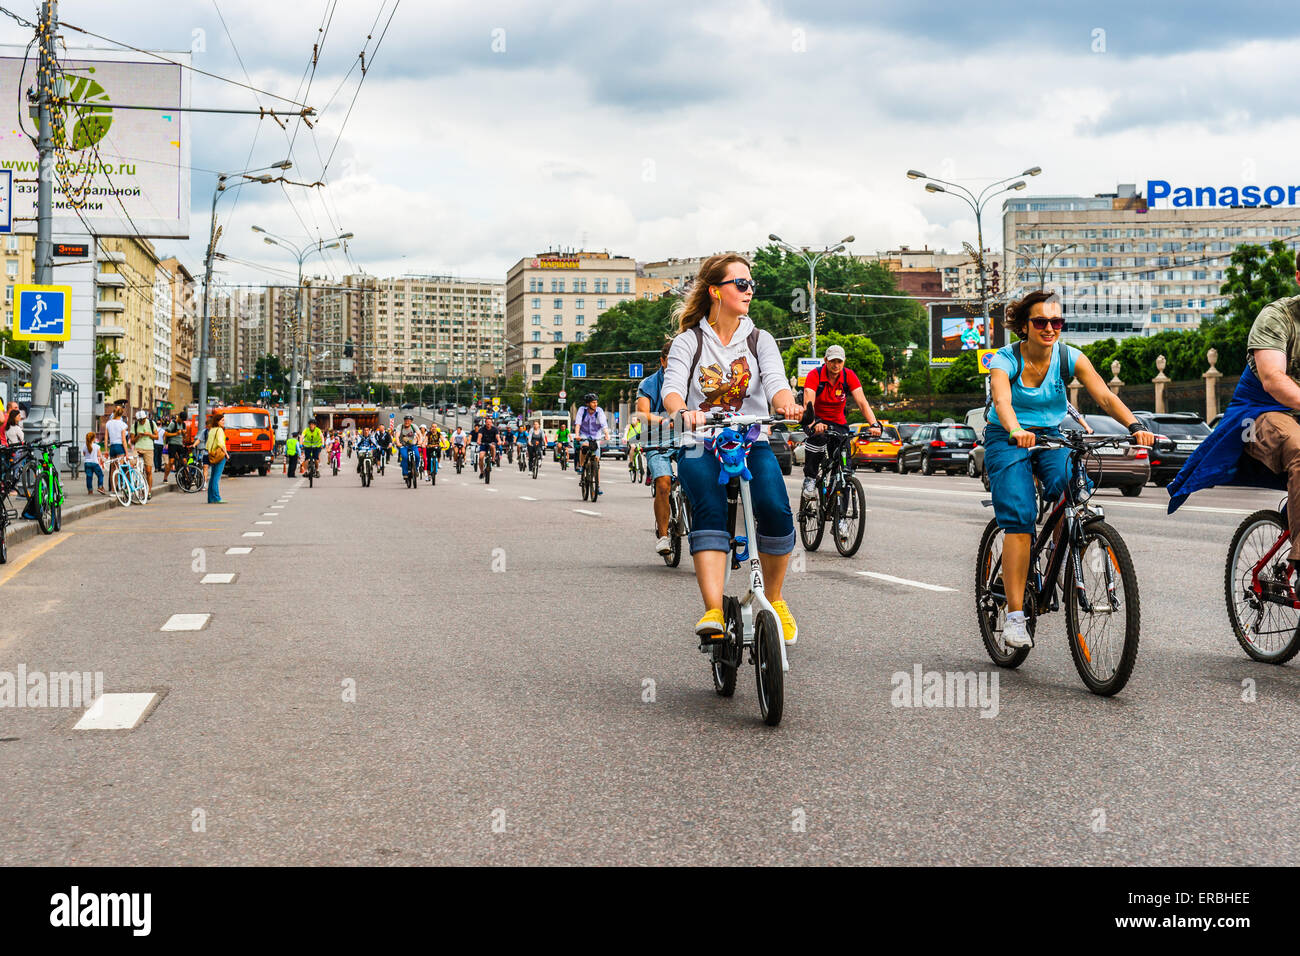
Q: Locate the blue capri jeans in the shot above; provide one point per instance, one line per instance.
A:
(698, 470)
(1012, 470)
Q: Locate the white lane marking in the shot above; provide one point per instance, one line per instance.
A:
(254, 534)
(215, 578)
(239, 550)
(584, 511)
(526, 498)
(263, 522)
(268, 514)
(186, 622)
(115, 712)
(1105, 502)
(893, 580)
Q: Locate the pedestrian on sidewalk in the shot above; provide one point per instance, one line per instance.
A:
(158, 443)
(291, 453)
(174, 437)
(216, 448)
(144, 434)
(115, 432)
(14, 427)
(92, 456)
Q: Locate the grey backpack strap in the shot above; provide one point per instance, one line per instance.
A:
(695, 360)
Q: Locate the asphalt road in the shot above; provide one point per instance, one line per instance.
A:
(500, 644)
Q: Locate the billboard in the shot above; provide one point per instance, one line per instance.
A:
(957, 326)
(126, 170)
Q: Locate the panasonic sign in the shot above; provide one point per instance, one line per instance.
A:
(1200, 196)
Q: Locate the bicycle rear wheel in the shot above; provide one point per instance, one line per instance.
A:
(727, 653)
(56, 498)
(4, 530)
(767, 667)
(991, 600)
(1266, 625)
(1103, 635)
(849, 519)
(811, 525)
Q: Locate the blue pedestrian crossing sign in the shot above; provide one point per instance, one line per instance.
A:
(43, 313)
(635, 370)
(579, 370)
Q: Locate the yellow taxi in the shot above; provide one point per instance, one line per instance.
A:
(875, 453)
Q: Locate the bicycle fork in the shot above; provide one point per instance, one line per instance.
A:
(755, 600)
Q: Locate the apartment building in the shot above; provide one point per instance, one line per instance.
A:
(1126, 269)
(184, 329)
(937, 273)
(556, 298)
(405, 328)
(126, 285)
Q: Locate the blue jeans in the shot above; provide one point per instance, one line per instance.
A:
(404, 453)
(214, 481)
(698, 470)
(1012, 470)
(93, 469)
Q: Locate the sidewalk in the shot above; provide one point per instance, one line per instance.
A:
(76, 506)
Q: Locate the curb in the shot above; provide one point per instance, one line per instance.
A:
(30, 529)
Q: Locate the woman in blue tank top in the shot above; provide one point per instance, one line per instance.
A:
(1035, 404)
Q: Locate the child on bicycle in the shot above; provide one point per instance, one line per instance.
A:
(1029, 399)
(739, 369)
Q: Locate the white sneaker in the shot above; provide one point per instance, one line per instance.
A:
(1015, 634)
(664, 546)
(809, 489)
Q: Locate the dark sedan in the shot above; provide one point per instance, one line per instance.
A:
(1178, 434)
(937, 448)
(779, 441)
(1127, 467)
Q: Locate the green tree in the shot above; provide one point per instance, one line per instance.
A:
(961, 377)
(892, 324)
(512, 393)
(1255, 277)
(15, 348)
(916, 378)
(108, 364)
(860, 354)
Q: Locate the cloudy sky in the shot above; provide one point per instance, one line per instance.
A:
(487, 131)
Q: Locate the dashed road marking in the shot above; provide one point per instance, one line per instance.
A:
(584, 511)
(526, 498)
(115, 712)
(893, 580)
(263, 522)
(186, 622)
(268, 514)
(217, 578)
(254, 534)
(239, 550)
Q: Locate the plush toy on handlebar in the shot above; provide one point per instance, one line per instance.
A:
(732, 450)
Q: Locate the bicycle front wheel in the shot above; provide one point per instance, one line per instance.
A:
(122, 486)
(1104, 614)
(767, 666)
(850, 521)
(1267, 625)
(811, 525)
(141, 488)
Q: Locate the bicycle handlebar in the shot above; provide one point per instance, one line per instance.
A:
(1079, 442)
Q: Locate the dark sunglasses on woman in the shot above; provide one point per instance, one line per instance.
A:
(744, 285)
(1041, 324)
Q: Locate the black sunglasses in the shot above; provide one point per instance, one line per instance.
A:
(1041, 324)
(744, 285)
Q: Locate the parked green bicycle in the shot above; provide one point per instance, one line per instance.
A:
(49, 490)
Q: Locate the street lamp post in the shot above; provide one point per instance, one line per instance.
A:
(213, 235)
(977, 204)
(811, 258)
(300, 253)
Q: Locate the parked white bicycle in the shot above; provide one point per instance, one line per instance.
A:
(128, 481)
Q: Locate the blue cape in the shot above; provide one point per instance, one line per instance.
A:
(1221, 459)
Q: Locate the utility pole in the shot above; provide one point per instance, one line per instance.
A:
(41, 423)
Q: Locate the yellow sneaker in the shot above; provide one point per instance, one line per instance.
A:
(711, 627)
(788, 625)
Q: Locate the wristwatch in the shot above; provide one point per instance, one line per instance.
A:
(1135, 428)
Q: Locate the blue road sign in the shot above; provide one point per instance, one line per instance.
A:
(43, 312)
(579, 370)
(266, 393)
(635, 370)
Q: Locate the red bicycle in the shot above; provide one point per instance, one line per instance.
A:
(1260, 586)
